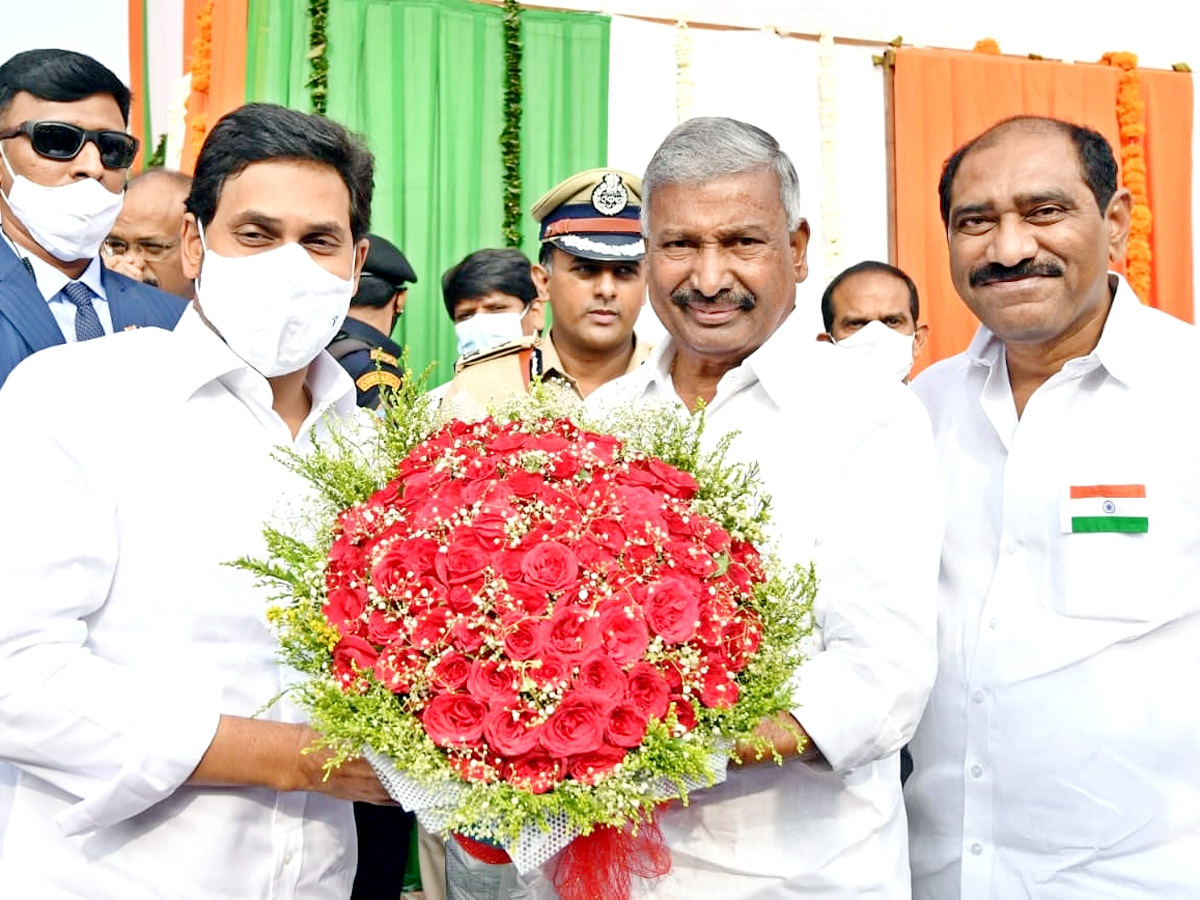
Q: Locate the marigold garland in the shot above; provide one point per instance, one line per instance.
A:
(1131, 120)
(201, 70)
(987, 45)
(510, 135)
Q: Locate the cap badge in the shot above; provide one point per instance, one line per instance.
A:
(610, 195)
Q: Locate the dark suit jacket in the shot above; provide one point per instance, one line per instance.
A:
(27, 325)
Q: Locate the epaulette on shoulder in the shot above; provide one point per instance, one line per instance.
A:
(500, 351)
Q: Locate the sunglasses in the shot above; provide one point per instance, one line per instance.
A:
(61, 141)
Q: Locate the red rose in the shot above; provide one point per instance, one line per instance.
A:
(670, 670)
(491, 683)
(398, 667)
(382, 629)
(549, 443)
(550, 672)
(590, 768)
(454, 720)
(352, 656)
(573, 632)
(643, 508)
(609, 534)
(602, 680)
(507, 564)
(718, 690)
(672, 609)
(511, 729)
(345, 559)
(648, 691)
(463, 560)
(600, 447)
(344, 608)
(691, 558)
(675, 482)
(577, 726)
(532, 601)
(450, 672)
(491, 527)
(469, 634)
(404, 560)
(535, 772)
(626, 726)
(430, 628)
(550, 566)
(564, 466)
(716, 613)
(525, 484)
(460, 599)
(716, 539)
(685, 713)
(741, 638)
(523, 639)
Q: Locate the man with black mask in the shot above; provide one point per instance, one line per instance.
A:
(363, 345)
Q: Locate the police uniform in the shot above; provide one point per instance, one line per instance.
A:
(594, 215)
(371, 357)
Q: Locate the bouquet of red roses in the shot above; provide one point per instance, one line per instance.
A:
(540, 626)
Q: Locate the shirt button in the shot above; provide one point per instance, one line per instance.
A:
(976, 849)
(993, 622)
(1011, 547)
(287, 858)
(976, 771)
(977, 696)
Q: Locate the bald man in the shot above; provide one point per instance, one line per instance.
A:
(144, 242)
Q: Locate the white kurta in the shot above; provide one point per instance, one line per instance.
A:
(848, 461)
(135, 468)
(1059, 757)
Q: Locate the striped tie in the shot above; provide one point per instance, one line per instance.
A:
(87, 323)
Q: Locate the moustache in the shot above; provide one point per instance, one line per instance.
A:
(1024, 269)
(726, 299)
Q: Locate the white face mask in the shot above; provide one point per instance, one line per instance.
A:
(277, 309)
(483, 331)
(69, 221)
(886, 348)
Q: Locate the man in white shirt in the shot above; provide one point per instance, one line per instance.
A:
(847, 460)
(1059, 756)
(132, 658)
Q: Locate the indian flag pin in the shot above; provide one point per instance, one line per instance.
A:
(1091, 508)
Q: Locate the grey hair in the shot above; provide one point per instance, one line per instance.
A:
(709, 147)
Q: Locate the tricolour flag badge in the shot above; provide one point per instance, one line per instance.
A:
(1091, 508)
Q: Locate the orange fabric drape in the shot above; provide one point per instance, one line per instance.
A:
(943, 98)
(227, 85)
(137, 81)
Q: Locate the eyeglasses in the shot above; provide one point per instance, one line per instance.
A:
(149, 250)
(61, 141)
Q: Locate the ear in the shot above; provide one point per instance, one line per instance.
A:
(799, 243)
(360, 259)
(541, 281)
(536, 316)
(825, 337)
(1117, 218)
(400, 298)
(919, 338)
(191, 250)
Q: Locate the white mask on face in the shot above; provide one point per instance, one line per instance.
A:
(277, 309)
(891, 351)
(69, 221)
(483, 331)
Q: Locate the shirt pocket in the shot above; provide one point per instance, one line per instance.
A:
(1107, 575)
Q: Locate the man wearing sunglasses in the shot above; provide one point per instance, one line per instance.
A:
(64, 155)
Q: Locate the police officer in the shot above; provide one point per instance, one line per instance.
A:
(363, 345)
(591, 264)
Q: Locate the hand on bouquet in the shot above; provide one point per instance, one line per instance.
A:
(786, 735)
(353, 780)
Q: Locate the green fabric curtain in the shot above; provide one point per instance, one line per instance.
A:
(423, 81)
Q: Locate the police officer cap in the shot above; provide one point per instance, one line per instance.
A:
(385, 261)
(594, 214)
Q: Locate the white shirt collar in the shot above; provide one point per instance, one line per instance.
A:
(51, 280)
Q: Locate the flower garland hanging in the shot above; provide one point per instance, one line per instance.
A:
(986, 45)
(1131, 119)
(685, 87)
(827, 113)
(201, 71)
(510, 135)
(318, 54)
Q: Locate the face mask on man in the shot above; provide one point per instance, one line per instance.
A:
(277, 309)
(483, 331)
(69, 221)
(889, 350)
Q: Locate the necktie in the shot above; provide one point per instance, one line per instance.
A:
(87, 323)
